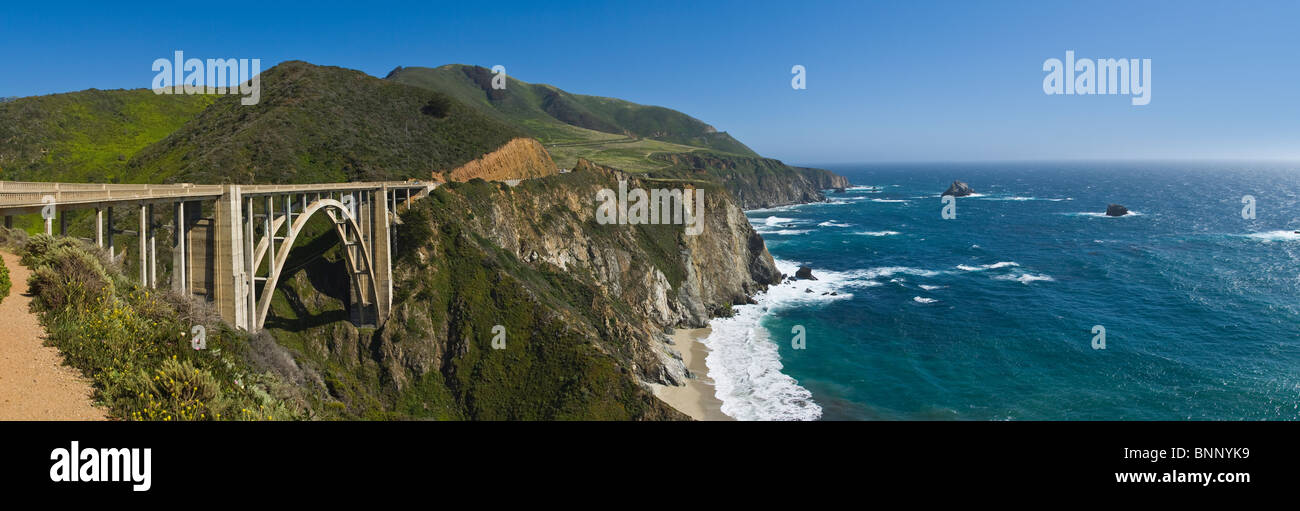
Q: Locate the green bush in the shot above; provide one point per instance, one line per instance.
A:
(5, 284)
(38, 247)
(67, 276)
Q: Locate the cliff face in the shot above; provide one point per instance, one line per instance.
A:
(758, 182)
(521, 158)
(579, 306)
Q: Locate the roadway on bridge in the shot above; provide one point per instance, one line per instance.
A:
(34, 382)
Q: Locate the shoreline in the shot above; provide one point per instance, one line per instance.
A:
(697, 398)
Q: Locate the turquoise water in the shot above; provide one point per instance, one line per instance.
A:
(989, 316)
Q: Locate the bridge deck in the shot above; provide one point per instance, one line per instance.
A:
(21, 197)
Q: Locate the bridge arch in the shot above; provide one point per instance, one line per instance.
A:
(359, 264)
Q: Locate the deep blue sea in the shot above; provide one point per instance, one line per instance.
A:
(990, 316)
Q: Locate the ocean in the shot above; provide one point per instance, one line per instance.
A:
(994, 314)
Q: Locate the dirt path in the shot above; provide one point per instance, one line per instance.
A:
(34, 383)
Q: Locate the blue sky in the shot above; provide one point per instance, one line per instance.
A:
(887, 81)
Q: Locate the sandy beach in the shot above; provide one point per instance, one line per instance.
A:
(696, 398)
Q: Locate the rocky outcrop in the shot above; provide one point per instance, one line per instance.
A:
(755, 182)
(958, 189)
(804, 273)
(1116, 210)
(520, 158)
(584, 304)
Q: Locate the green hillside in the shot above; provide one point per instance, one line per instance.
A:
(323, 124)
(86, 136)
(575, 125)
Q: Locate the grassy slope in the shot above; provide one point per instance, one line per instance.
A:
(606, 130)
(86, 136)
(324, 124)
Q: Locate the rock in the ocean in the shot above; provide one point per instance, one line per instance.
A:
(1116, 210)
(959, 189)
(839, 189)
(804, 273)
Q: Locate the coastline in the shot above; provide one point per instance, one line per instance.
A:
(697, 398)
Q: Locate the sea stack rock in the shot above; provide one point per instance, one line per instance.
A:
(804, 273)
(1116, 210)
(959, 189)
(839, 189)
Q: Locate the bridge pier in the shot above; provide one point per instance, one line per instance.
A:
(99, 227)
(112, 249)
(180, 238)
(228, 242)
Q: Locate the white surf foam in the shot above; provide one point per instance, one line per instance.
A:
(1270, 236)
(785, 232)
(1025, 278)
(879, 233)
(745, 363)
(982, 267)
(1025, 198)
(833, 223)
(919, 299)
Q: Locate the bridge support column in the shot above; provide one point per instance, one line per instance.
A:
(99, 227)
(230, 287)
(381, 248)
(180, 242)
(9, 221)
(250, 268)
(153, 251)
(142, 235)
(63, 223)
(112, 250)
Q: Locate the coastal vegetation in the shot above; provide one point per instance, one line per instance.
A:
(135, 344)
(5, 283)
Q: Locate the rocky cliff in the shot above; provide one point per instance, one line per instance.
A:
(578, 306)
(757, 182)
(520, 158)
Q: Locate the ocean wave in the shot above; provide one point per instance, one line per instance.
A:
(833, 223)
(783, 232)
(1025, 198)
(776, 220)
(928, 287)
(1025, 278)
(1283, 235)
(879, 233)
(744, 361)
(745, 366)
(890, 200)
(919, 299)
(982, 267)
(889, 271)
(828, 281)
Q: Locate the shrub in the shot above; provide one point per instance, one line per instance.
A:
(67, 276)
(12, 238)
(38, 247)
(5, 284)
